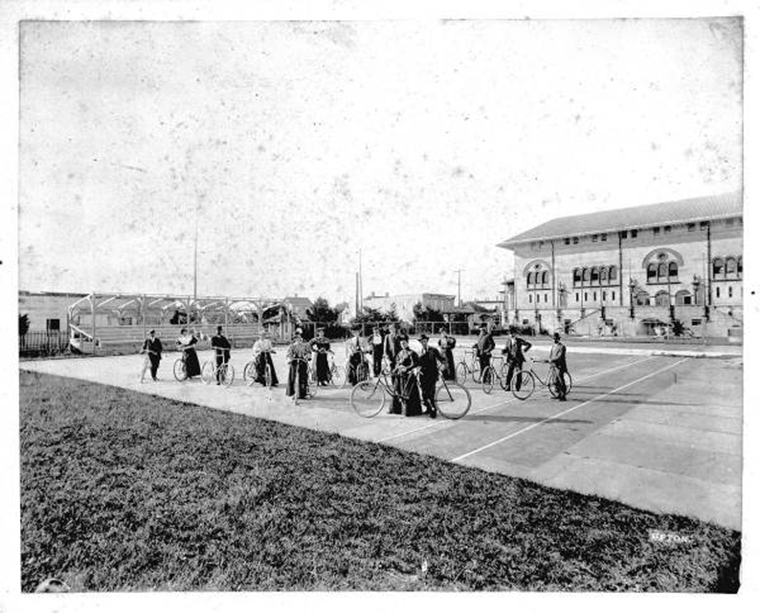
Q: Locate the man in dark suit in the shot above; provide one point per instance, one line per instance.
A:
(429, 359)
(514, 351)
(484, 347)
(221, 347)
(153, 347)
(558, 358)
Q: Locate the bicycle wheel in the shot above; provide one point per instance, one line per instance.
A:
(489, 374)
(554, 388)
(227, 374)
(367, 398)
(568, 382)
(208, 372)
(362, 372)
(452, 400)
(503, 376)
(336, 376)
(180, 372)
(523, 384)
(268, 375)
(461, 372)
(297, 386)
(476, 374)
(249, 372)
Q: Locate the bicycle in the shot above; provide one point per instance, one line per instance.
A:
(464, 368)
(311, 391)
(224, 373)
(250, 373)
(491, 373)
(333, 370)
(180, 367)
(525, 379)
(362, 369)
(368, 398)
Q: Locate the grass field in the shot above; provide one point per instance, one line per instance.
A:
(124, 491)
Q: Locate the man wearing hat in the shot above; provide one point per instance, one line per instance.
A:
(221, 347)
(298, 349)
(321, 347)
(514, 352)
(407, 400)
(429, 359)
(557, 357)
(152, 346)
(484, 347)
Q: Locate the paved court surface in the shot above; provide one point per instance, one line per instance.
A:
(658, 432)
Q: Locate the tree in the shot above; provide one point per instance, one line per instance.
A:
(23, 324)
(426, 313)
(322, 312)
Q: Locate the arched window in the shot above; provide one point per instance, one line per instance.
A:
(603, 276)
(594, 275)
(739, 266)
(613, 274)
(672, 271)
(545, 278)
(718, 267)
(530, 279)
(651, 273)
(662, 271)
(576, 276)
(586, 276)
(662, 298)
(683, 297)
(730, 267)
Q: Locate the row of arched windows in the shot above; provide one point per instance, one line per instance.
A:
(727, 268)
(662, 273)
(538, 278)
(595, 275)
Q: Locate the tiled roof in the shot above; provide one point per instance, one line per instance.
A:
(681, 211)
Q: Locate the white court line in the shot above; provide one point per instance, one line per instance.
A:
(543, 421)
(491, 406)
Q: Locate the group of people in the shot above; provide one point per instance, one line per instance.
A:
(387, 344)
(514, 351)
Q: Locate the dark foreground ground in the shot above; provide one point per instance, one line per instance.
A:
(124, 491)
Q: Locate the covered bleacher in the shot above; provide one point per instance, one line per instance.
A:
(114, 323)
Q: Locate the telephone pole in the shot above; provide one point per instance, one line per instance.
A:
(459, 286)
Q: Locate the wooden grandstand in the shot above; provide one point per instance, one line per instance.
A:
(107, 323)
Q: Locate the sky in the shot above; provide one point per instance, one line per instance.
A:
(294, 145)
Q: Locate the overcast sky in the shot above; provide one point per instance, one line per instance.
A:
(424, 143)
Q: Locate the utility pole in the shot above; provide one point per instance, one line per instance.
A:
(361, 282)
(195, 260)
(459, 286)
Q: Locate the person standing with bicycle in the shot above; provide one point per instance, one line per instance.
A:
(262, 357)
(406, 361)
(298, 355)
(355, 350)
(378, 342)
(484, 347)
(221, 347)
(321, 347)
(186, 342)
(514, 351)
(392, 345)
(558, 359)
(429, 359)
(152, 346)
(446, 345)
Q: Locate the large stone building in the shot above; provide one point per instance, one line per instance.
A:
(633, 270)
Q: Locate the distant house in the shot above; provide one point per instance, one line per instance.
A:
(47, 311)
(297, 306)
(404, 303)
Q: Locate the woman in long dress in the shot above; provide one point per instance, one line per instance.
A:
(446, 344)
(406, 360)
(298, 349)
(186, 342)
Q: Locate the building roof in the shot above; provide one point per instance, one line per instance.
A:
(682, 211)
(299, 301)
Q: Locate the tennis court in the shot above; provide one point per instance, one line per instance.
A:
(662, 433)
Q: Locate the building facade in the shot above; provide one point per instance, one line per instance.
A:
(404, 303)
(634, 270)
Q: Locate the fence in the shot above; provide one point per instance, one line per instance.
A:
(38, 343)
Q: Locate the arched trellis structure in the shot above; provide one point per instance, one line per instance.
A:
(99, 320)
